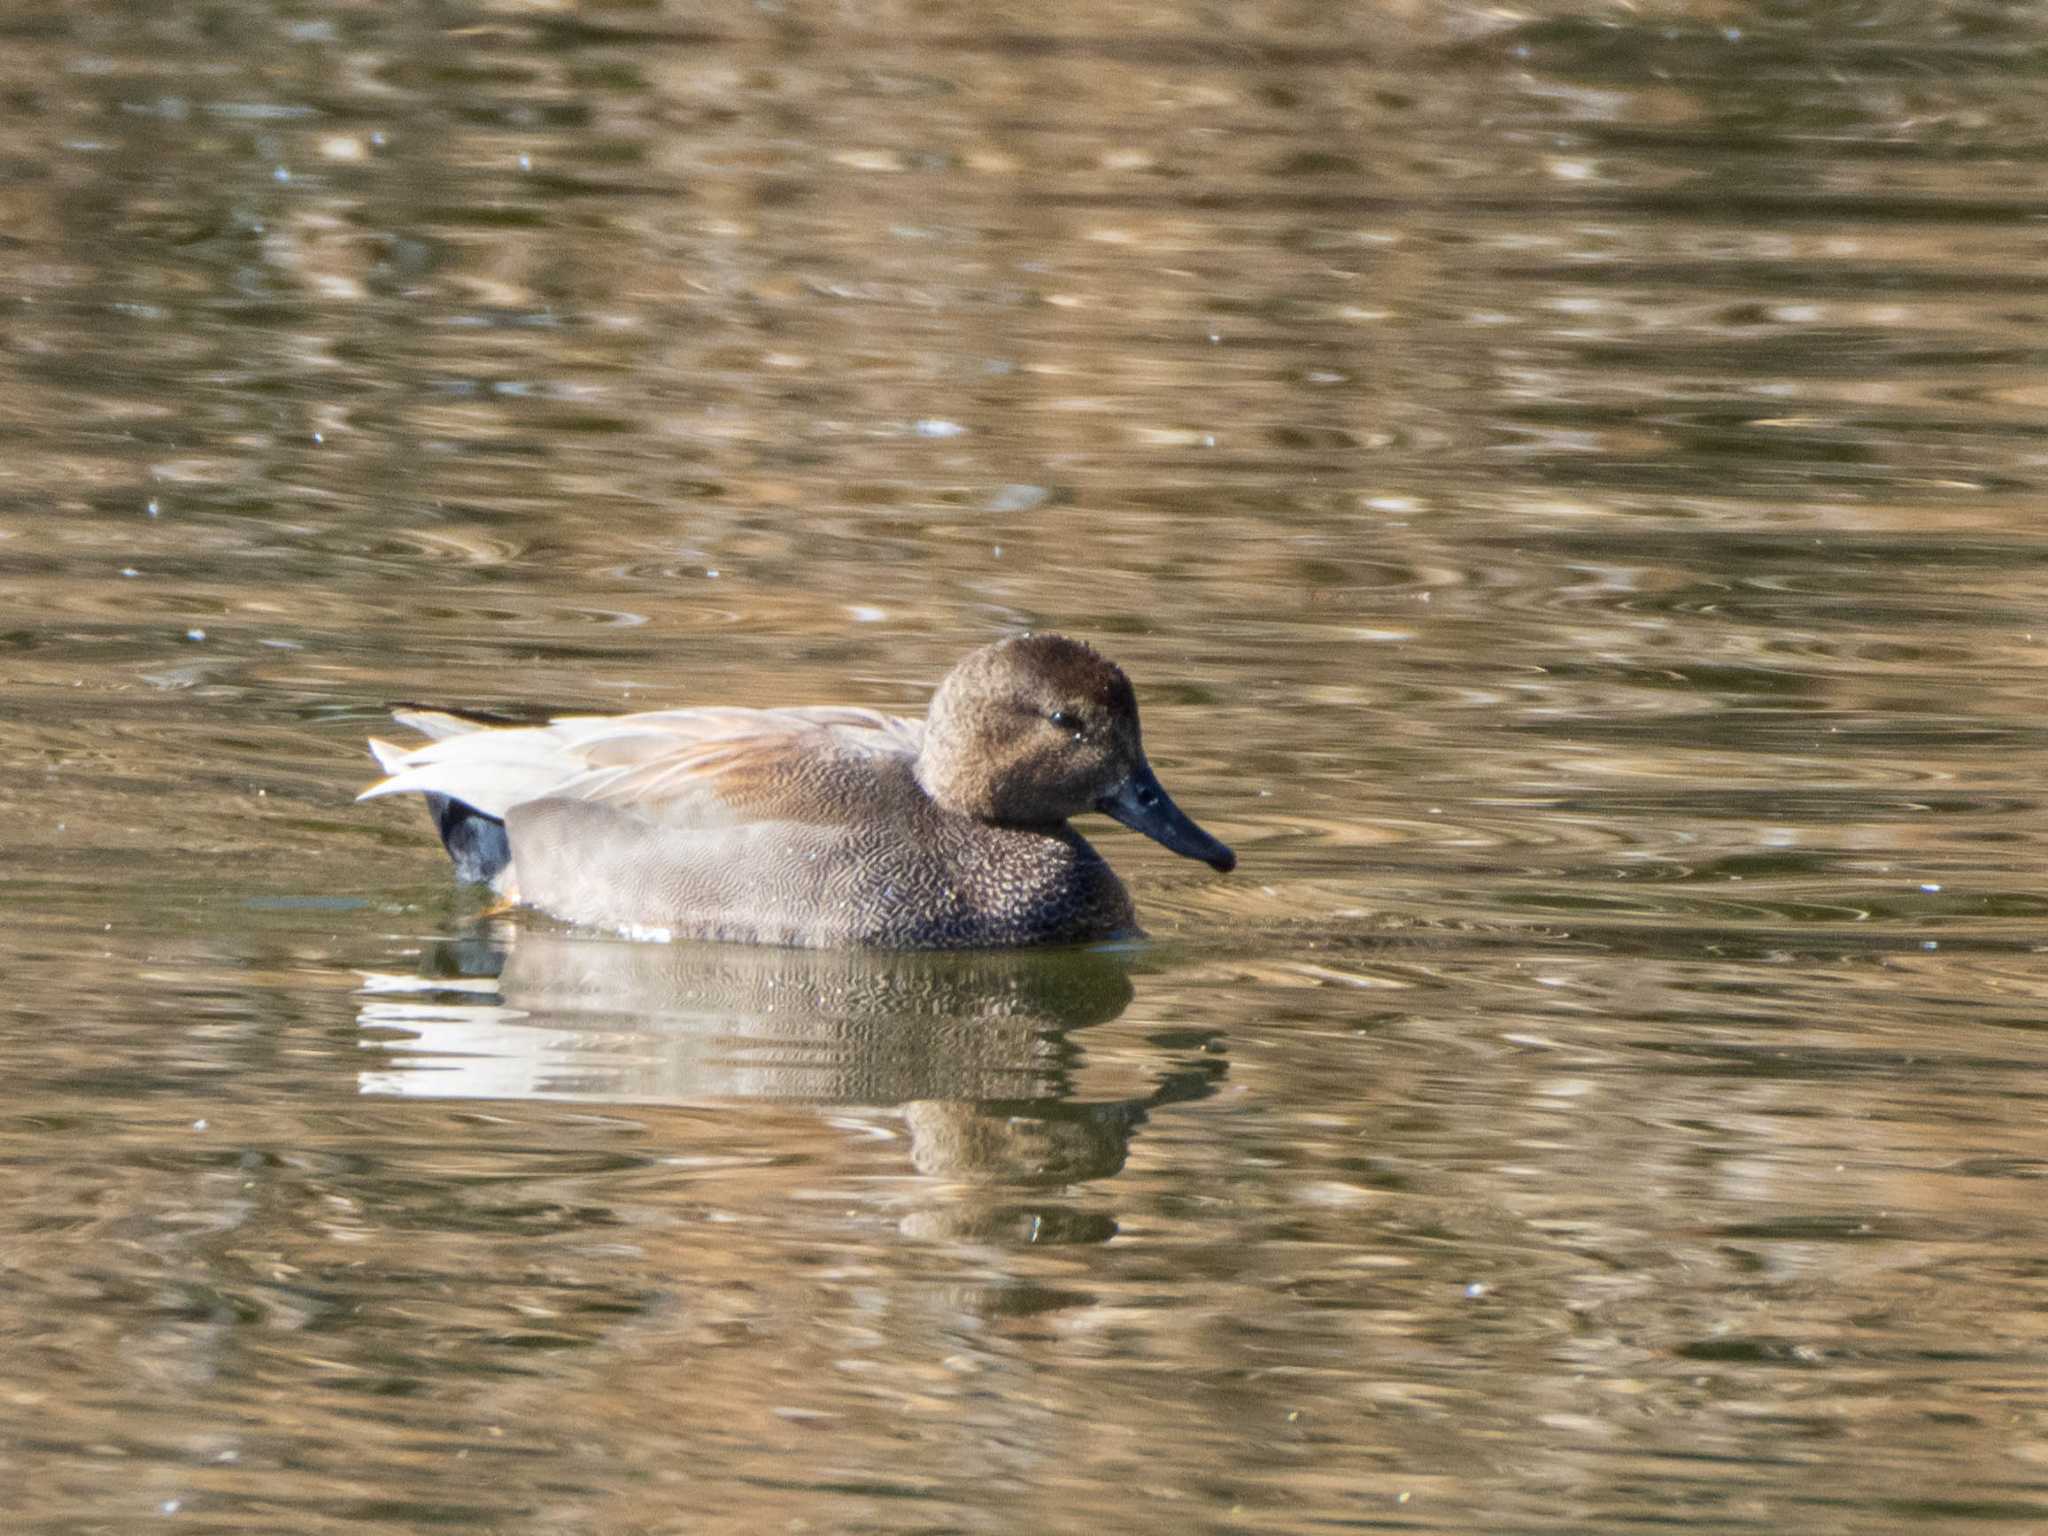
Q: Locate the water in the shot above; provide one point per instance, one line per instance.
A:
(1567, 491)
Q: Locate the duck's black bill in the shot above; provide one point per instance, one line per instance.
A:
(1141, 804)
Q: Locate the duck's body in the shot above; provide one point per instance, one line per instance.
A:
(821, 826)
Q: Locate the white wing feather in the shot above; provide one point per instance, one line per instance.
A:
(665, 761)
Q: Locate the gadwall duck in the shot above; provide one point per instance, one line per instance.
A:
(817, 826)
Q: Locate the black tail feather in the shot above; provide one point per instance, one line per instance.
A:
(476, 842)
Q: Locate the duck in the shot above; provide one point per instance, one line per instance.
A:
(820, 826)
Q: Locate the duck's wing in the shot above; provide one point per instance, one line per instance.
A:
(681, 768)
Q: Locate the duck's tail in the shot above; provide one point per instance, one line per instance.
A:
(474, 838)
(476, 842)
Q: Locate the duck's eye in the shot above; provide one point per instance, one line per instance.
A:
(1066, 722)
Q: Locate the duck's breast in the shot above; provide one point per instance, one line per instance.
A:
(860, 858)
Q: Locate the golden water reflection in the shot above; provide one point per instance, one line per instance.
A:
(1566, 483)
(971, 1054)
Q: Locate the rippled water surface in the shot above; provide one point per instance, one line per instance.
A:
(1568, 486)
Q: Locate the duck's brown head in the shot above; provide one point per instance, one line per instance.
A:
(1032, 731)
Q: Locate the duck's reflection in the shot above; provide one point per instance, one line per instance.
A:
(972, 1050)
